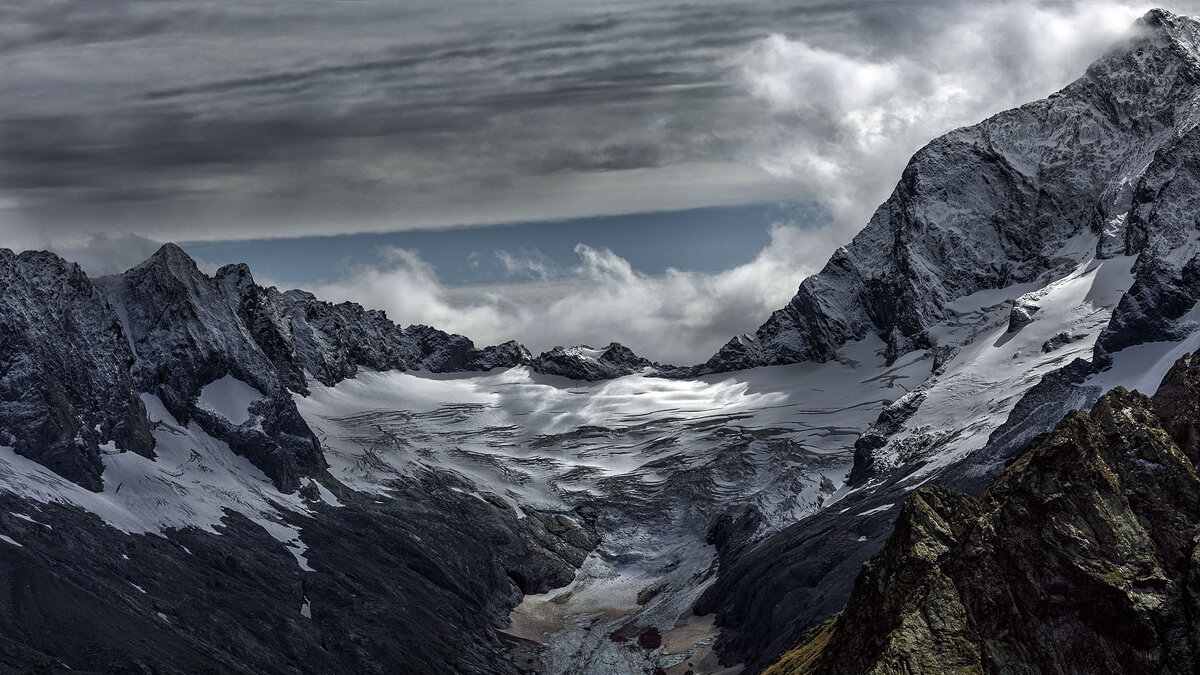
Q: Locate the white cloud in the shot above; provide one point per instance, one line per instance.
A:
(533, 265)
(677, 317)
(847, 122)
(407, 288)
(98, 253)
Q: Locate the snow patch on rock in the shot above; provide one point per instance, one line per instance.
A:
(194, 481)
(230, 398)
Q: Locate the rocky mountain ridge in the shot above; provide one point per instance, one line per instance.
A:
(66, 388)
(1081, 557)
(585, 363)
(79, 353)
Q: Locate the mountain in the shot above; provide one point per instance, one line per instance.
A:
(1019, 198)
(199, 473)
(1081, 557)
(66, 389)
(153, 545)
(584, 363)
(1035, 261)
(79, 351)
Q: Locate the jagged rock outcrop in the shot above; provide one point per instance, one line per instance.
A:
(1163, 292)
(189, 330)
(332, 341)
(65, 387)
(75, 355)
(1007, 201)
(890, 421)
(186, 334)
(1081, 557)
(584, 363)
(1021, 314)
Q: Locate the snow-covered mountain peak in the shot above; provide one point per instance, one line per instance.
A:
(169, 260)
(1165, 25)
(236, 273)
(1023, 196)
(1146, 76)
(582, 362)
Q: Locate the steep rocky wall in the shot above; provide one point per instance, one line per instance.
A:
(65, 384)
(1081, 557)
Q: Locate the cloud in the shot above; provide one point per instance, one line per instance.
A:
(211, 121)
(677, 317)
(847, 118)
(841, 120)
(527, 265)
(98, 253)
(141, 122)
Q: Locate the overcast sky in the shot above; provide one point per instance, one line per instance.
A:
(124, 124)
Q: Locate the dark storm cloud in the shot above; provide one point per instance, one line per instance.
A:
(608, 158)
(210, 120)
(373, 106)
(298, 80)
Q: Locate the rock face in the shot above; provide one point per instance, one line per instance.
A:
(584, 363)
(1106, 163)
(76, 354)
(1159, 305)
(1021, 314)
(186, 332)
(1081, 557)
(189, 330)
(65, 386)
(416, 584)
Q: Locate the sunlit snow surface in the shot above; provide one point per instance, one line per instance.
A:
(554, 443)
(981, 384)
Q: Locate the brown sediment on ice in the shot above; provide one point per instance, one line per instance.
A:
(693, 635)
(540, 616)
